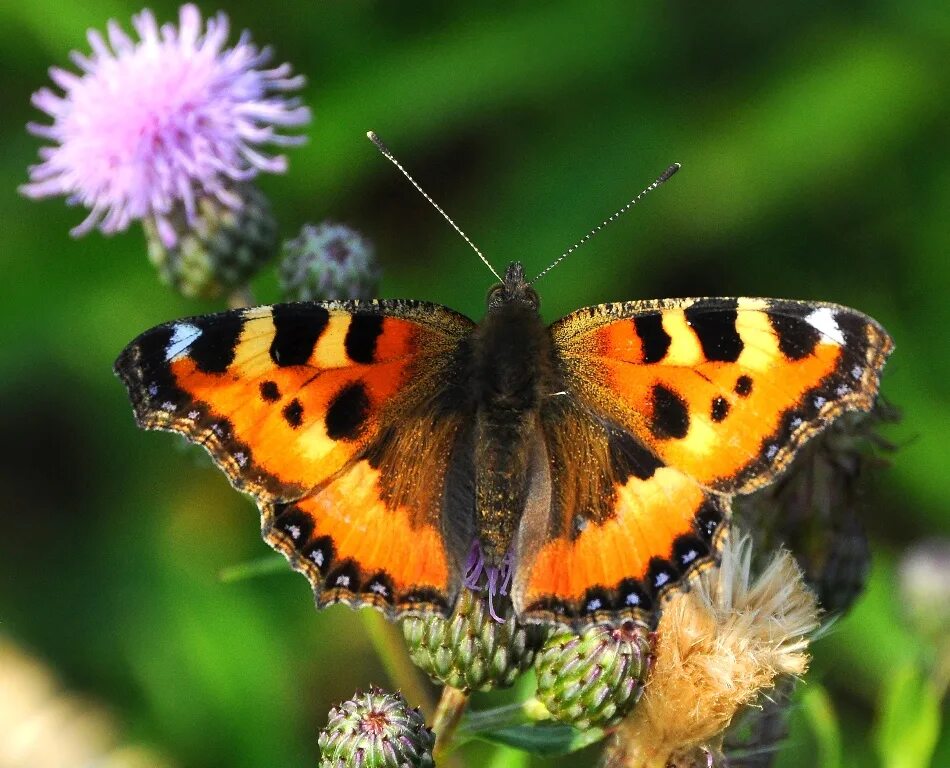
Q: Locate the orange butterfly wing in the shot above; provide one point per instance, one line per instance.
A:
(685, 403)
(296, 403)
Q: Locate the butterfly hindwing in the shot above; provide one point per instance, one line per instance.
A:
(299, 405)
(624, 528)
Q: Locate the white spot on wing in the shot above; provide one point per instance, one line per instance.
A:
(633, 599)
(343, 581)
(594, 604)
(183, 336)
(661, 579)
(317, 557)
(823, 321)
(294, 531)
(856, 373)
(379, 589)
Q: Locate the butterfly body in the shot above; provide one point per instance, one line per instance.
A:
(399, 452)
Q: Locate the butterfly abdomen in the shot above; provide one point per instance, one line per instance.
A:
(511, 369)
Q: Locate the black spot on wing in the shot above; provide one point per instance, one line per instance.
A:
(213, 350)
(707, 520)
(294, 523)
(597, 599)
(796, 337)
(720, 409)
(654, 339)
(270, 391)
(688, 550)
(361, 337)
(670, 414)
(345, 575)
(320, 553)
(661, 574)
(632, 594)
(628, 457)
(743, 386)
(714, 323)
(296, 331)
(293, 413)
(346, 416)
(425, 596)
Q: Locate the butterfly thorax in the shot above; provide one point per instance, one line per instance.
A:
(512, 368)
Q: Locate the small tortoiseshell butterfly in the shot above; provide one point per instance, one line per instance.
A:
(399, 451)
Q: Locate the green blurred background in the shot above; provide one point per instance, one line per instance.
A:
(815, 143)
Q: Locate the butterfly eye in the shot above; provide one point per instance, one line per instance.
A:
(496, 296)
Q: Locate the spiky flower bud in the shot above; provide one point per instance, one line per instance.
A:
(470, 650)
(595, 677)
(376, 729)
(218, 250)
(329, 261)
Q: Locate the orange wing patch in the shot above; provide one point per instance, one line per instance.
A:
(725, 390)
(659, 529)
(357, 546)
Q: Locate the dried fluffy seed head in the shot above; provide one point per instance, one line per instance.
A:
(329, 261)
(376, 729)
(219, 249)
(592, 679)
(161, 119)
(469, 650)
(718, 646)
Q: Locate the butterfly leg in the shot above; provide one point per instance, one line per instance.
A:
(497, 579)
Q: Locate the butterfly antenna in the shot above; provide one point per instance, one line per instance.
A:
(371, 135)
(665, 176)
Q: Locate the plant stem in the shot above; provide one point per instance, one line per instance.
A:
(447, 717)
(389, 645)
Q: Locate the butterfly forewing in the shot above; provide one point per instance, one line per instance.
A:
(725, 390)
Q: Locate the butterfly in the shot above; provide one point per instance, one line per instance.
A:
(400, 452)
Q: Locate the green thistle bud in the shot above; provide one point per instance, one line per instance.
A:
(376, 729)
(594, 678)
(220, 250)
(329, 261)
(470, 650)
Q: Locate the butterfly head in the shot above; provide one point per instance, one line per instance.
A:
(514, 289)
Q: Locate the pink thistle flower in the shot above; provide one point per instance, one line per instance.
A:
(152, 125)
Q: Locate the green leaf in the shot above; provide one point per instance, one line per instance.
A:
(546, 739)
(908, 720)
(820, 713)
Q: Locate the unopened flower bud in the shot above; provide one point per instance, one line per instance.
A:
(329, 261)
(592, 679)
(219, 250)
(376, 729)
(470, 650)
